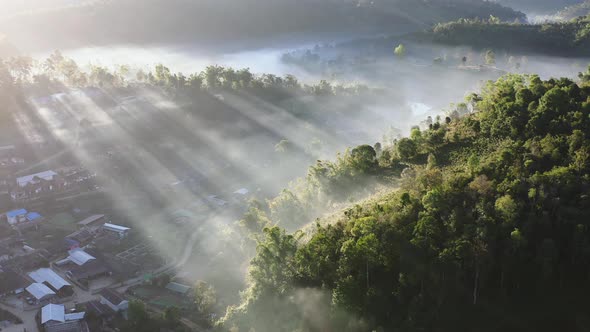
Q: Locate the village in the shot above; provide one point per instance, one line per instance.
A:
(70, 260)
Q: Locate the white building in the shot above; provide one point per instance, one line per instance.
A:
(23, 181)
(77, 256)
(48, 276)
(120, 231)
(113, 300)
(40, 292)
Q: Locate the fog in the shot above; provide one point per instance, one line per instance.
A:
(160, 151)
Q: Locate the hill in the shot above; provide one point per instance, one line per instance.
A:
(222, 21)
(489, 231)
(570, 39)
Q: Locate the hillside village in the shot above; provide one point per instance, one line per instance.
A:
(69, 259)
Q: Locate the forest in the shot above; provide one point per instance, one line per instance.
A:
(567, 39)
(488, 230)
(252, 21)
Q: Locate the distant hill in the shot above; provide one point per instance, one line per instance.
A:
(570, 38)
(571, 12)
(215, 21)
(538, 6)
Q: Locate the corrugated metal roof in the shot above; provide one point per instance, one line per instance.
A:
(90, 219)
(39, 291)
(178, 288)
(116, 228)
(24, 180)
(15, 213)
(33, 216)
(79, 256)
(53, 312)
(75, 316)
(47, 275)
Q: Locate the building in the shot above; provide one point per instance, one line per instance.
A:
(117, 231)
(89, 271)
(52, 280)
(79, 257)
(36, 184)
(114, 300)
(16, 216)
(96, 220)
(178, 288)
(55, 319)
(78, 239)
(41, 292)
(36, 178)
(12, 283)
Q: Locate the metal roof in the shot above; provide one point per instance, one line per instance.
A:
(75, 316)
(33, 216)
(53, 312)
(39, 291)
(90, 219)
(115, 228)
(79, 256)
(242, 191)
(24, 180)
(178, 288)
(16, 213)
(114, 297)
(47, 275)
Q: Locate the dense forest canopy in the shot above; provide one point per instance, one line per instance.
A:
(488, 230)
(570, 39)
(215, 21)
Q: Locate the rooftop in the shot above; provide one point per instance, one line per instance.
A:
(16, 213)
(178, 288)
(49, 276)
(116, 228)
(98, 308)
(39, 291)
(24, 180)
(90, 219)
(79, 256)
(53, 312)
(112, 296)
(32, 216)
(75, 316)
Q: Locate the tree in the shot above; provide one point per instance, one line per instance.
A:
(172, 317)
(363, 159)
(400, 51)
(490, 58)
(205, 297)
(407, 149)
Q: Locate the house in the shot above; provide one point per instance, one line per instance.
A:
(23, 219)
(96, 220)
(77, 256)
(36, 178)
(52, 280)
(16, 216)
(36, 184)
(55, 319)
(89, 271)
(120, 232)
(178, 288)
(41, 292)
(98, 309)
(12, 283)
(113, 300)
(78, 238)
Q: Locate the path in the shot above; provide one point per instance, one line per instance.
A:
(28, 318)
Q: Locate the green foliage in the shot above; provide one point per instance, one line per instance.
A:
(493, 221)
(400, 51)
(559, 38)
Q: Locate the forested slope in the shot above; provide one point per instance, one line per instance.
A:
(217, 21)
(489, 231)
(571, 38)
